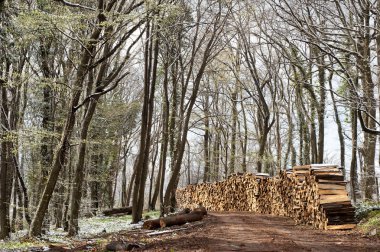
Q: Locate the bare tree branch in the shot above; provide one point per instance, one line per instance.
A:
(364, 127)
(75, 5)
(100, 92)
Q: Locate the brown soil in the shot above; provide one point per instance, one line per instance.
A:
(242, 231)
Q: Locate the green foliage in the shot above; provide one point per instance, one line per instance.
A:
(371, 222)
(116, 116)
(32, 25)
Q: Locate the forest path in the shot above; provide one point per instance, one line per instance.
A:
(243, 231)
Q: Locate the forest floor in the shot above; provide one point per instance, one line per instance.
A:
(230, 231)
(242, 231)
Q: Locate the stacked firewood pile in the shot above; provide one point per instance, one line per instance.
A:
(312, 194)
(336, 210)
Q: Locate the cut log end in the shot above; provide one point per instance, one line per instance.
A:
(151, 224)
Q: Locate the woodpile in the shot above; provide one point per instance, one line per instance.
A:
(311, 194)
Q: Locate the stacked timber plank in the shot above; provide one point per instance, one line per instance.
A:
(312, 194)
(333, 197)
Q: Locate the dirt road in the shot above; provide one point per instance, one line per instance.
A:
(241, 231)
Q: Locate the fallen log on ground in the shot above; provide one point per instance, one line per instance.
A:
(151, 224)
(181, 219)
(178, 218)
(201, 210)
(114, 211)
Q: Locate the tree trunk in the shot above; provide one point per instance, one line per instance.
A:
(233, 129)
(216, 153)
(76, 191)
(301, 123)
(278, 143)
(63, 146)
(152, 206)
(68, 179)
(131, 183)
(369, 139)
(206, 140)
(147, 114)
(124, 191)
(14, 208)
(124, 182)
(5, 168)
(313, 137)
(165, 135)
(94, 183)
(321, 106)
(47, 117)
(156, 192)
(353, 167)
(245, 142)
(262, 142)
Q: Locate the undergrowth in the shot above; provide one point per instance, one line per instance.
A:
(18, 245)
(363, 209)
(88, 228)
(368, 213)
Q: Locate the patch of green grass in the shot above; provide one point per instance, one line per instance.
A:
(152, 214)
(371, 222)
(18, 245)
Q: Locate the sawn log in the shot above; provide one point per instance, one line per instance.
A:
(122, 210)
(181, 219)
(151, 224)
